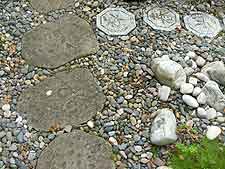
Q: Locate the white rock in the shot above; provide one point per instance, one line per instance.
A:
(90, 124)
(200, 61)
(128, 97)
(213, 132)
(201, 77)
(196, 91)
(138, 148)
(215, 71)
(201, 98)
(190, 101)
(215, 97)
(201, 113)
(164, 93)
(113, 141)
(6, 107)
(163, 167)
(193, 81)
(49, 93)
(211, 113)
(186, 88)
(191, 54)
(163, 130)
(168, 72)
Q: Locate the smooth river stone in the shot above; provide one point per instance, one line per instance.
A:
(68, 98)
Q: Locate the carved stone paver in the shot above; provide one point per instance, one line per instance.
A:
(54, 44)
(116, 21)
(67, 98)
(45, 6)
(76, 150)
(162, 18)
(202, 24)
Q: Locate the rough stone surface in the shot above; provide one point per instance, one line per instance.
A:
(202, 24)
(76, 150)
(215, 71)
(215, 97)
(74, 100)
(163, 130)
(54, 44)
(116, 21)
(45, 6)
(168, 72)
(162, 18)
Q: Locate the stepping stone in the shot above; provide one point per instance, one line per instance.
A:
(68, 98)
(164, 19)
(45, 6)
(54, 44)
(202, 24)
(116, 21)
(76, 150)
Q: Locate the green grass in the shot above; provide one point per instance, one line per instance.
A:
(204, 155)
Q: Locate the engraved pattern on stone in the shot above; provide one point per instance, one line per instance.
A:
(202, 24)
(162, 18)
(116, 21)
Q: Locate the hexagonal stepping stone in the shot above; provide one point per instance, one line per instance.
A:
(54, 44)
(202, 24)
(66, 98)
(116, 21)
(76, 150)
(45, 6)
(162, 18)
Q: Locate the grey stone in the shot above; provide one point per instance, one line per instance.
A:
(76, 150)
(202, 24)
(215, 97)
(164, 93)
(45, 6)
(163, 130)
(116, 21)
(54, 44)
(74, 99)
(186, 88)
(215, 71)
(168, 72)
(162, 18)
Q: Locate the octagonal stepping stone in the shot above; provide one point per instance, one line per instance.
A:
(54, 44)
(162, 18)
(116, 21)
(68, 98)
(76, 150)
(202, 24)
(45, 6)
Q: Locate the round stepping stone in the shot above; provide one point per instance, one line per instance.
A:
(116, 21)
(162, 18)
(202, 24)
(76, 150)
(68, 98)
(45, 6)
(54, 44)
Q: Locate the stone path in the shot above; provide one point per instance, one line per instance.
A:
(67, 98)
(76, 150)
(54, 44)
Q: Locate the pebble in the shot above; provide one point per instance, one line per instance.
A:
(201, 112)
(164, 93)
(138, 148)
(202, 98)
(196, 91)
(90, 124)
(211, 113)
(213, 132)
(186, 88)
(200, 61)
(193, 80)
(6, 107)
(190, 101)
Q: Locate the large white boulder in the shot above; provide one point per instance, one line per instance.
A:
(168, 72)
(163, 130)
(215, 71)
(214, 96)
